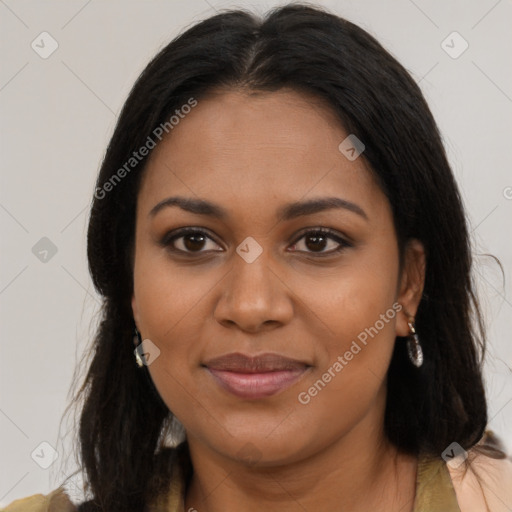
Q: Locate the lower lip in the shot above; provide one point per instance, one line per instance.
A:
(256, 385)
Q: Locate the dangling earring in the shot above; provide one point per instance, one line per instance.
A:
(413, 346)
(138, 359)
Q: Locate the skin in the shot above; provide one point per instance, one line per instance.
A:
(251, 154)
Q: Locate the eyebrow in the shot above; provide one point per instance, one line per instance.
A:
(287, 212)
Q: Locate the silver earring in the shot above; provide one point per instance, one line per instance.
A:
(137, 337)
(413, 346)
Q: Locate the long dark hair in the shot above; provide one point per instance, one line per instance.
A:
(124, 422)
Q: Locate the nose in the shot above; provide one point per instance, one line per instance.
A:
(254, 296)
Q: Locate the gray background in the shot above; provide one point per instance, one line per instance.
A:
(58, 113)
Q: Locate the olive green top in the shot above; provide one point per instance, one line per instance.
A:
(434, 493)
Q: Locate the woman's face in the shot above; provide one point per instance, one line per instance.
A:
(256, 278)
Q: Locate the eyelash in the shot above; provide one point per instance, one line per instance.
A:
(171, 237)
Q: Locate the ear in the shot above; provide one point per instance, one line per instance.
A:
(135, 312)
(412, 282)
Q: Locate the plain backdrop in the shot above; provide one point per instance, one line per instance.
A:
(58, 112)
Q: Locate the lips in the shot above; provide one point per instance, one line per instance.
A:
(255, 377)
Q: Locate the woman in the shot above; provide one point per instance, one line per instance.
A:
(277, 229)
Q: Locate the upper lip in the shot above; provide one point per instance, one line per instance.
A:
(242, 363)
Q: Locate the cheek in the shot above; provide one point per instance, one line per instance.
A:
(359, 306)
(170, 320)
(166, 295)
(353, 297)
(349, 382)
(169, 306)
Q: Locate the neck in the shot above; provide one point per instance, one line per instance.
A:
(360, 471)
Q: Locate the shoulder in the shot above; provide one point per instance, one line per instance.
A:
(55, 501)
(483, 483)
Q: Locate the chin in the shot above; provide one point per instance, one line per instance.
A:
(258, 450)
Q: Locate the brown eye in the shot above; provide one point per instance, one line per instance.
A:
(189, 241)
(194, 242)
(316, 241)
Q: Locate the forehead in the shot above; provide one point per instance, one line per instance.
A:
(236, 122)
(252, 148)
